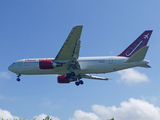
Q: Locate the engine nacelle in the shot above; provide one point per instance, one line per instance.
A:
(65, 79)
(48, 64)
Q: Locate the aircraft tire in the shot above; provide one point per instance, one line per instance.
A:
(68, 75)
(77, 83)
(81, 82)
(72, 74)
(18, 79)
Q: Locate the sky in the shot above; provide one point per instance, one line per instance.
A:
(38, 29)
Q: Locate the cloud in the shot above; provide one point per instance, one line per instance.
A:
(152, 99)
(48, 104)
(134, 109)
(111, 52)
(131, 76)
(7, 98)
(6, 115)
(2, 97)
(4, 75)
(42, 116)
(81, 115)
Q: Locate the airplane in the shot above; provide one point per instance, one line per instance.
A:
(72, 68)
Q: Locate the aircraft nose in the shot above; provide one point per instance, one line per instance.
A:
(10, 68)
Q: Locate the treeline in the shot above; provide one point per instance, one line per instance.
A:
(46, 118)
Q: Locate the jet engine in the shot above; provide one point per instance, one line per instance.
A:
(48, 64)
(65, 79)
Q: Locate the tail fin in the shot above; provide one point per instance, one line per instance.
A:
(140, 42)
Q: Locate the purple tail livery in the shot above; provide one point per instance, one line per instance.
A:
(140, 42)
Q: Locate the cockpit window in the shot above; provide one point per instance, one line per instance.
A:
(13, 63)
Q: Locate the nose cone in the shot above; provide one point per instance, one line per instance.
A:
(13, 68)
(10, 68)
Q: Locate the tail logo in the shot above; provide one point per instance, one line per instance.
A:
(146, 36)
(130, 53)
(140, 42)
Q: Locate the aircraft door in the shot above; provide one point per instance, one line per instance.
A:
(110, 61)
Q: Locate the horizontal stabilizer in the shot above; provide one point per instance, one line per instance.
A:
(145, 66)
(94, 77)
(139, 55)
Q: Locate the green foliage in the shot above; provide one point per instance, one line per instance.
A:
(47, 118)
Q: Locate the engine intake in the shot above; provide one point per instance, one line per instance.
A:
(48, 64)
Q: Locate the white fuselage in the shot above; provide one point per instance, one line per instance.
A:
(87, 64)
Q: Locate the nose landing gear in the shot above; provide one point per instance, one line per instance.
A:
(18, 79)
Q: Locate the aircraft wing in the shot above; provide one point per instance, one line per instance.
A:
(70, 49)
(94, 77)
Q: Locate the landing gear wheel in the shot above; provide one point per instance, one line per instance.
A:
(72, 74)
(81, 82)
(77, 83)
(18, 79)
(68, 75)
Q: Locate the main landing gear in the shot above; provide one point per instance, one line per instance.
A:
(18, 79)
(78, 82)
(72, 74)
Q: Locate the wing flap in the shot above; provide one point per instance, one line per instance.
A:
(94, 77)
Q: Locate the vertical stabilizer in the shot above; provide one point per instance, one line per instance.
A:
(140, 42)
